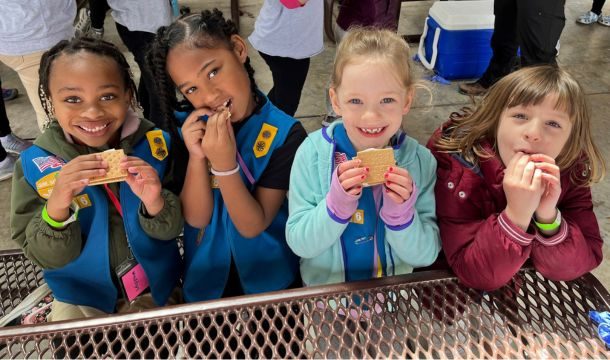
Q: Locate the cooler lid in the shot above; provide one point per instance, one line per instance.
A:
(463, 15)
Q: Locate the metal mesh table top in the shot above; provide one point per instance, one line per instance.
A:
(421, 315)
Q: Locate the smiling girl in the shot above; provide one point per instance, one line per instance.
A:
(341, 230)
(240, 149)
(82, 235)
(513, 182)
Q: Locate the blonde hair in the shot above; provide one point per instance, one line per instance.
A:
(468, 131)
(373, 45)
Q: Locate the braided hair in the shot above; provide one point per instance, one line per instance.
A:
(76, 45)
(208, 29)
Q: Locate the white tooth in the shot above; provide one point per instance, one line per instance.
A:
(95, 129)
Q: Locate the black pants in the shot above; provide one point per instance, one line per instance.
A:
(5, 126)
(597, 6)
(534, 26)
(288, 79)
(98, 10)
(137, 42)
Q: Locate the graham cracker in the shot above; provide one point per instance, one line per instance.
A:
(114, 174)
(378, 161)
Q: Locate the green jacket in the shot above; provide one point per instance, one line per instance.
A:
(51, 248)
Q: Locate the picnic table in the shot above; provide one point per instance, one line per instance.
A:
(420, 315)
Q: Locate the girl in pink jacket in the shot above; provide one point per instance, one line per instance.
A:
(513, 182)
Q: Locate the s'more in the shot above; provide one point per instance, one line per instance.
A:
(115, 173)
(378, 161)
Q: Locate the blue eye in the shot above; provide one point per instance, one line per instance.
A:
(73, 100)
(354, 101)
(387, 101)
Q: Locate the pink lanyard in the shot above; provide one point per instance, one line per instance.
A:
(114, 199)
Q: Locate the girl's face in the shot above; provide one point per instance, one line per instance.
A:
(212, 78)
(372, 101)
(533, 129)
(89, 97)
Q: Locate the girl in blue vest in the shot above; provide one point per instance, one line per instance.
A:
(240, 150)
(104, 248)
(341, 230)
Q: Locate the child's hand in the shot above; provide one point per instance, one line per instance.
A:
(219, 142)
(351, 176)
(523, 188)
(144, 182)
(398, 184)
(193, 131)
(71, 180)
(547, 209)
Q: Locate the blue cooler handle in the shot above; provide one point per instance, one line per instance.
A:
(422, 40)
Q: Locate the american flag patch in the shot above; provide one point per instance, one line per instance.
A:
(340, 158)
(48, 162)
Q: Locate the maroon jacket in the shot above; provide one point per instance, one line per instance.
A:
(378, 13)
(485, 249)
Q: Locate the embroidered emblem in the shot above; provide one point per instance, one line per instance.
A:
(260, 146)
(161, 153)
(44, 185)
(48, 162)
(83, 201)
(213, 179)
(214, 182)
(264, 140)
(358, 217)
(157, 144)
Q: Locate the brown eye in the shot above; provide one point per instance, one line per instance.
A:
(72, 100)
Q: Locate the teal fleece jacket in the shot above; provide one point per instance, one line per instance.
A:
(314, 236)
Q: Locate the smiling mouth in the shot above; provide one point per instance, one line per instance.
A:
(93, 129)
(372, 131)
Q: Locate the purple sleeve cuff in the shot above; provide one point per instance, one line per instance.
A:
(340, 205)
(291, 4)
(398, 216)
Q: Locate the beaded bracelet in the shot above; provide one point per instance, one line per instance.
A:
(225, 173)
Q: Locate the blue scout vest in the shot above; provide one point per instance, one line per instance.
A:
(87, 280)
(264, 263)
(366, 229)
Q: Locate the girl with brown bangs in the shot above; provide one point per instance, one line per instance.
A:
(514, 180)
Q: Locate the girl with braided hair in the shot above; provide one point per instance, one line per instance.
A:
(240, 148)
(85, 237)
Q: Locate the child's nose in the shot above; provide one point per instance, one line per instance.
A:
(370, 113)
(532, 132)
(93, 111)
